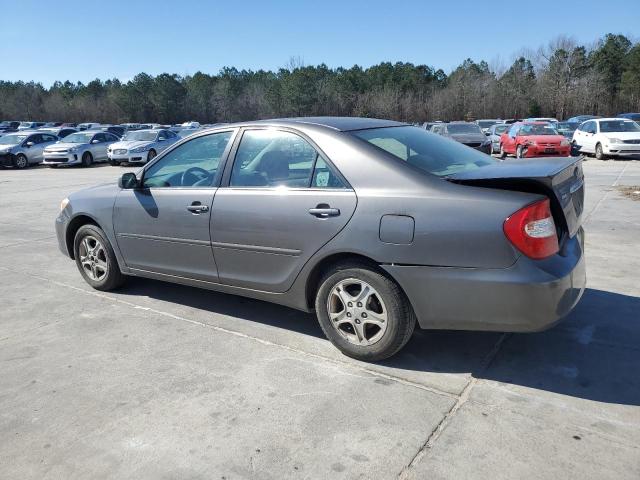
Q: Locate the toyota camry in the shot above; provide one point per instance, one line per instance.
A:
(375, 225)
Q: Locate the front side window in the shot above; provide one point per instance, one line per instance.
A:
(514, 131)
(430, 153)
(193, 164)
(273, 158)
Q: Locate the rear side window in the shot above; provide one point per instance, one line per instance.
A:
(430, 153)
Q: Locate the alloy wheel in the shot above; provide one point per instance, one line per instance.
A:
(357, 312)
(93, 258)
(21, 161)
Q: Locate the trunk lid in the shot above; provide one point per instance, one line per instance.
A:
(560, 179)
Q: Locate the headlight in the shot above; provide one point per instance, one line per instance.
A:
(140, 149)
(565, 143)
(531, 142)
(73, 149)
(64, 203)
(615, 140)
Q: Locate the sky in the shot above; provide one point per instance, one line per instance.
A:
(82, 40)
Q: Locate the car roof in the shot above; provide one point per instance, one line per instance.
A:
(610, 119)
(342, 124)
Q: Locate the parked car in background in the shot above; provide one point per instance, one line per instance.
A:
(30, 125)
(81, 148)
(607, 137)
(495, 131)
(87, 126)
(130, 126)
(631, 116)
(59, 132)
(9, 126)
(190, 125)
(140, 146)
(467, 133)
(24, 148)
(551, 120)
(51, 125)
(567, 128)
(581, 118)
(511, 120)
(396, 227)
(485, 124)
(117, 130)
(534, 139)
(67, 124)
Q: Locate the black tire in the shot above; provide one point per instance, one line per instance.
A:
(520, 151)
(21, 161)
(87, 159)
(151, 155)
(53, 166)
(503, 154)
(400, 317)
(113, 277)
(600, 153)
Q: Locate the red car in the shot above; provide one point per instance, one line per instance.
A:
(533, 139)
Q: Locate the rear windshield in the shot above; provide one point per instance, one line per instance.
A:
(610, 126)
(486, 123)
(501, 128)
(428, 152)
(463, 128)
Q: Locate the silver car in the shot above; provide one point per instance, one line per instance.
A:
(495, 131)
(374, 225)
(140, 146)
(80, 148)
(23, 149)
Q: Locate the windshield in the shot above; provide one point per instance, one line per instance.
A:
(78, 138)
(428, 152)
(486, 123)
(537, 130)
(463, 128)
(501, 128)
(610, 126)
(12, 139)
(139, 136)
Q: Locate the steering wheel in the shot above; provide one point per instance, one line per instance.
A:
(193, 173)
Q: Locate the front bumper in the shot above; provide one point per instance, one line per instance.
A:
(529, 296)
(621, 149)
(128, 157)
(6, 160)
(52, 158)
(540, 151)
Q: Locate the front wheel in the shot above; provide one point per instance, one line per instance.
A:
(503, 154)
(363, 313)
(21, 161)
(600, 153)
(87, 159)
(95, 259)
(151, 155)
(520, 151)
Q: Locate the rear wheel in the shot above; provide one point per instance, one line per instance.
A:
(95, 259)
(363, 313)
(600, 153)
(21, 161)
(87, 159)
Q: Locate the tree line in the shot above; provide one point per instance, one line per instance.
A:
(560, 79)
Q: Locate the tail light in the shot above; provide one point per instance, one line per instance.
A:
(532, 230)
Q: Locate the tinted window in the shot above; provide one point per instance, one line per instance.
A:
(271, 158)
(192, 164)
(35, 139)
(430, 153)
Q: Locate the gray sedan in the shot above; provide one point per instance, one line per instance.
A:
(22, 149)
(372, 224)
(80, 148)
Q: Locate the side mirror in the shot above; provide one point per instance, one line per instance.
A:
(29, 144)
(488, 134)
(95, 141)
(128, 181)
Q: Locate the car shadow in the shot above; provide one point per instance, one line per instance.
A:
(593, 354)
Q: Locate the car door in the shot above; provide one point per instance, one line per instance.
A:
(280, 201)
(588, 138)
(35, 151)
(163, 226)
(163, 141)
(509, 140)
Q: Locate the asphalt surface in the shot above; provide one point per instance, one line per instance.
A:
(163, 381)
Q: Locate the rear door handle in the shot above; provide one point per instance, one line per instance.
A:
(197, 207)
(324, 212)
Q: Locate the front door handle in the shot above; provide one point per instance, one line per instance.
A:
(197, 208)
(324, 212)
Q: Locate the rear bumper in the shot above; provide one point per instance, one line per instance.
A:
(529, 296)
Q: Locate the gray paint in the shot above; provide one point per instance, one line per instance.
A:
(263, 243)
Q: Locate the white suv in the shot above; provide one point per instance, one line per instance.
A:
(606, 137)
